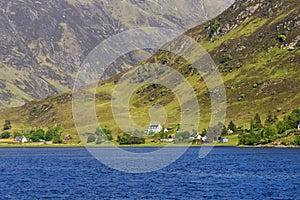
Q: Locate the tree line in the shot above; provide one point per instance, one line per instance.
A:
(34, 135)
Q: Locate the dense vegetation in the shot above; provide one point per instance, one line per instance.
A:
(101, 135)
(35, 135)
(129, 138)
(272, 130)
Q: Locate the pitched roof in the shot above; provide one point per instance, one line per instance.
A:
(19, 138)
(154, 126)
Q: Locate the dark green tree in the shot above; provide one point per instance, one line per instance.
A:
(104, 132)
(57, 139)
(281, 127)
(54, 133)
(204, 132)
(297, 140)
(251, 126)
(232, 126)
(292, 119)
(16, 134)
(7, 125)
(249, 139)
(257, 122)
(271, 119)
(5, 135)
(37, 135)
(268, 134)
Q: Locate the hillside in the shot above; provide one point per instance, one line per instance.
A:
(256, 46)
(43, 43)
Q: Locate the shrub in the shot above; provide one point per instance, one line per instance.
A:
(268, 134)
(128, 139)
(104, 132)
(57, 139)
(215, 26)
(232, 126)
(5, 135)
(281, 38)
(91, 139)
(7, 125)
(257, 122)
(271, 119)
(249, 139)
(226, 59)
(54, 132)
(36, 135)
(182, 137)
(281, 127)
(16, 134)
(297, 140)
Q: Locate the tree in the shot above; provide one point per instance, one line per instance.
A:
(249, 139)
(54, 134)
(204, 132)
(251, 126)
(232, 126)
(128, 139)
(7, 125)
(57, 140)
(214, 27)
(268, 134)
(16, 134)
(257, 122)
(104, 132)
(224, 130)
(292, 120)
(281, 127)
(48, 135)
(37, 135)
(5, 135)
(271, 119)
(297, 140)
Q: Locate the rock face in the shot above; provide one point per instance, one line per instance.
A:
(43, 43)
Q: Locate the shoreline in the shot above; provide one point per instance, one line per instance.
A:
(135, 146)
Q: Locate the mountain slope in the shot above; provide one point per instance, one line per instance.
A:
(43, 43)
(256, 47)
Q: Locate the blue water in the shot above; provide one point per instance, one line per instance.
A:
(226, 173)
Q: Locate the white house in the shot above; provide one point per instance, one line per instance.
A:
(21, 139)
(154, 128)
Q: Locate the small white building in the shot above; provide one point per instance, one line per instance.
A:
(167, 130)
(167, 140)
(21, 139)
(154, 128)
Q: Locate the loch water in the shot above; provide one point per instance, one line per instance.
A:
(226, 173)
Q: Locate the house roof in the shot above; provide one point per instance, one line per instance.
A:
(194, 135)
(19, 138)
(153, 126)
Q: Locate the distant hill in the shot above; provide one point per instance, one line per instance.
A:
(256, 46)
(43, 43)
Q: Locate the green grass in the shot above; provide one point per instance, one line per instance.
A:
(232, 141)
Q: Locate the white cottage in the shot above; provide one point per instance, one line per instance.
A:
(154, 128)
(21, 139)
